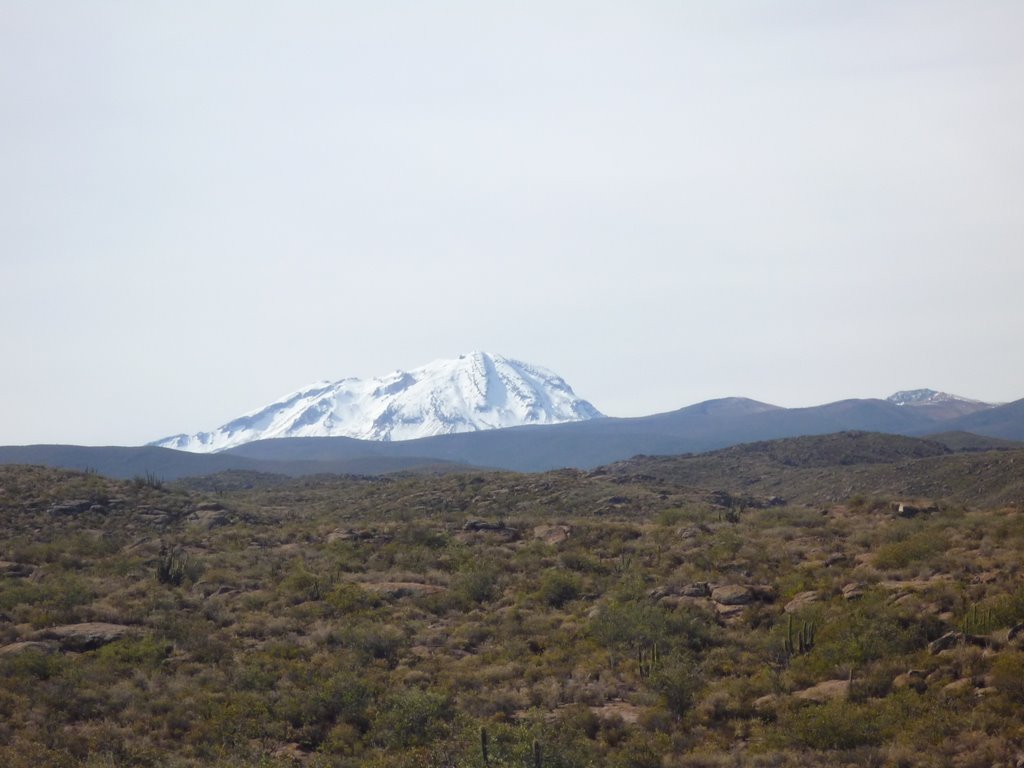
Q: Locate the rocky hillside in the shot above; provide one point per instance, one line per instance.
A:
(622, 617)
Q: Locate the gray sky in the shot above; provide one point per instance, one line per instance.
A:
(205, 205)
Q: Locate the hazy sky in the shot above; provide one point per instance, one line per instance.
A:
(205, 205)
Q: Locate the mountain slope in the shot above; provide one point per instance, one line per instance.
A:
(824, 469)
(937, 405)
(1005, 421)
(583, 444)
(701, 427)
(167, 464)
(471, 393)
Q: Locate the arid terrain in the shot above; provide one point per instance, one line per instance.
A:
(844, 600)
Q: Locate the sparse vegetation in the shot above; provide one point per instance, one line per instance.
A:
(497, 619)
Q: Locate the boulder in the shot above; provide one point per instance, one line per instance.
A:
(957, 687)
(1016, 634)
(351, 534)
(72, 507)
(853, 590)
(912, 509)
(828, 690)
(914, 680)
(953, 639)
(396, 589)
(801, 601)
(617, 709)
(15, 570)
(697, 589)
(210, 518)
(764, 592)
(552, 534)
(292, 752)
(727, 612)
(210, 506)
(482, 525)
(732, 594)
(155, 517)
(28, 645)
(85, 637)
(660, 593)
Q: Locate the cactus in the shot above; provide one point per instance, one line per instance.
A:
(975, 623)
(171, 567)
(803, 642)
(149, 480)
(647, 661)
(806, 638)
(537, 756)
(483, 745)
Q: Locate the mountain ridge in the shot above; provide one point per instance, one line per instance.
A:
(584, 444)
(473, 392)
(939, 405)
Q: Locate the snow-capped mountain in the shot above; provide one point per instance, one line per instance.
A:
(927, 397)
(937, 405)
(473, 392)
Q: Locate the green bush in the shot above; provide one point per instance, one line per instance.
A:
(411, 718)
(304, 586)
(915, 548)
(558, 587)
(626, 625)
(135, 652)
(669, 518)
(863, 633)
(1008, 675)
(32, 665)
(54, 600)
(348, 598)
(476, 585)
(376, 641)
(678, 681)
(831, 726)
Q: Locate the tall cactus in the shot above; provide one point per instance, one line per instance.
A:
(802, 642)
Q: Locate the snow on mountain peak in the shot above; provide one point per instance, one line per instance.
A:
(926, 397)
(473, 392)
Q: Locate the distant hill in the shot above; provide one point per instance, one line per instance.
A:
(1005, 421)
(698, 428)
(829, 468)
(125, 462)
(167, 464)
(968, 441)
